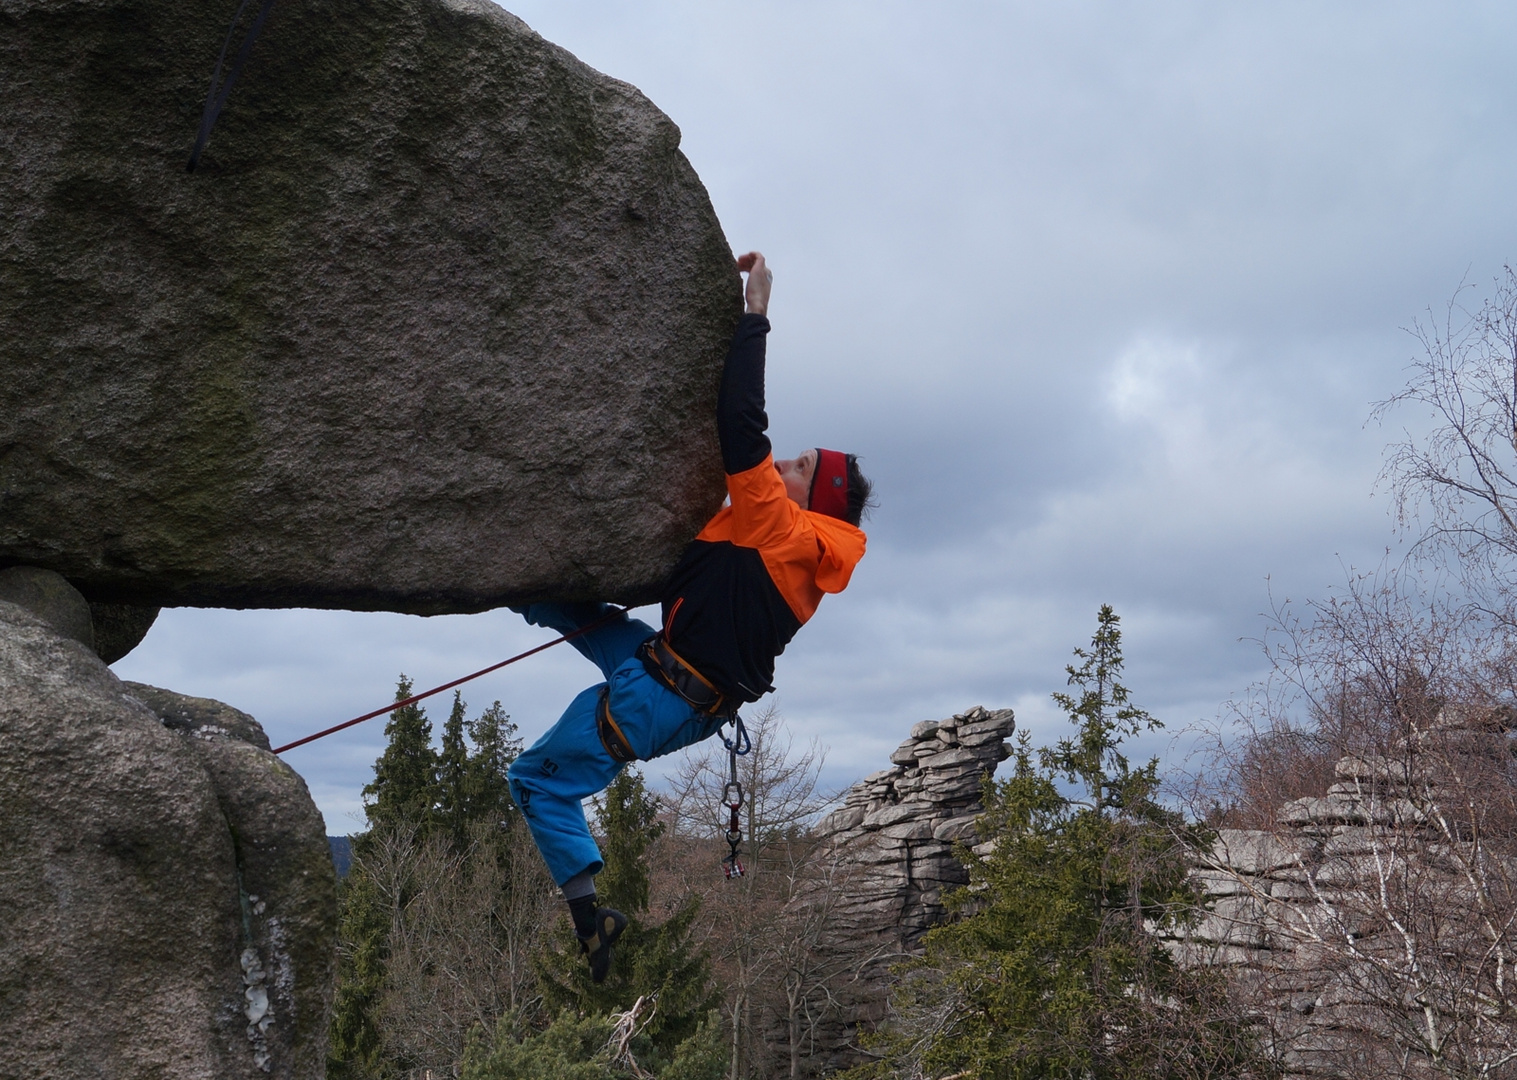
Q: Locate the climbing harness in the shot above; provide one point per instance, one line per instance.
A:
(414, 698)
(675, 672)
(732, 797)
(610, 732)
(215, 99)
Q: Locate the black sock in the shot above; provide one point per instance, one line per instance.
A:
(582, 909)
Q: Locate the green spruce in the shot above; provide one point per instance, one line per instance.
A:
(452, 776)
(1056, 966)
(404, 789)
(355, 1050)
(487, 795)
(401, 796)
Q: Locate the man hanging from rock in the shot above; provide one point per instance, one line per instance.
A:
(741, 590)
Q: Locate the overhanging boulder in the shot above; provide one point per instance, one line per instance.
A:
(436, 325)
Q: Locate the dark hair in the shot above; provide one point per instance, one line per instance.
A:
(860, 492)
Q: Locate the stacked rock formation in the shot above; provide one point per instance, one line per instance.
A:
(437, 324)
(895, 835)
(167, 899)
(1369, 929)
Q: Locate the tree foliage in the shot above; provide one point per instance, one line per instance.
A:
(654, 961)
(404, 788)
(594, 1047)
(441, 911)
(1058, 966)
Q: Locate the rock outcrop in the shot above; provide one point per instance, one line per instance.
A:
(437, 324)
(1368, 930)
(167, 900)
(894, 836)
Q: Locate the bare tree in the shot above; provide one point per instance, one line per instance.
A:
(1375, 916)
(757, 940)
(465, 924)
(1456, 486)
(1347, 674)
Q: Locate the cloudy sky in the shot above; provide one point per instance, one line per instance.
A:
(1102, 293)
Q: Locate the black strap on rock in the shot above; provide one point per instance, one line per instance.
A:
(215, 99)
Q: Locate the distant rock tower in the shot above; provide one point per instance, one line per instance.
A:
(893, 841)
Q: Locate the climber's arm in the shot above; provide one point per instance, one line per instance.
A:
(740, 417)
(761, 509)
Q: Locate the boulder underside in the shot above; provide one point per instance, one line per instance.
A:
(436, 325)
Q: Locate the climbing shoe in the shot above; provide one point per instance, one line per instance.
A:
(609, 924)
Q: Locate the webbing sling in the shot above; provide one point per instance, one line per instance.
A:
(215, 99)
(610, 732)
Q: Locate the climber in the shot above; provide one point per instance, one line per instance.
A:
(742, 588)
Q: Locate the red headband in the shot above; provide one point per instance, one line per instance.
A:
(829, 484)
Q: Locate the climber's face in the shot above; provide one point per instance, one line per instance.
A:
(797, 473)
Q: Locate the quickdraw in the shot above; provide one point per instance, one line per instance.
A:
(732, 797)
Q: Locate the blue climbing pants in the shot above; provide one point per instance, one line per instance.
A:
(551, 780)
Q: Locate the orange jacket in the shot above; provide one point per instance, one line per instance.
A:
(806, 554)
(759, 568)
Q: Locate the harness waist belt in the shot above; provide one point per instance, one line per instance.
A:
(611, 736)
(671, 669)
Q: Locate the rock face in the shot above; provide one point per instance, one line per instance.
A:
(120, 628)
(895, 834)
(1356, 930)
(436, 325)
(167, 900)
(52, 599)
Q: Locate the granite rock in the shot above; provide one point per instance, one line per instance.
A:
(437, 325)
(120, 628)
(895, 830)
(167, 901)
(52, 599)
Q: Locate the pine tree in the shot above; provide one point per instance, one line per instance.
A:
(487, 792)
(648, 959)
(584, 1048)
(404, 788)
(402, 795)
(453, 775)
(354, 1051)
(1057, 968)
(627, 818)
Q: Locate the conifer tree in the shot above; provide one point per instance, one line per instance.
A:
(453, 774)
(487, 794)
(1057, 967)
(355, 1050)
(402, 795)
(649, 959)
(404, 788)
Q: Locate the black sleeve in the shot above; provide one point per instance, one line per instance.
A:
(740, 417)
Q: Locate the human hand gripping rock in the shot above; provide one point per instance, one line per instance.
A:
(760, 277)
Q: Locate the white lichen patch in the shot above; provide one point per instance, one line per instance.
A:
(258, 1010)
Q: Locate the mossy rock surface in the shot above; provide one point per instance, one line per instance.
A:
(436, 325)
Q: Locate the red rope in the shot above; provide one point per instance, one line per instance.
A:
(414, 698)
